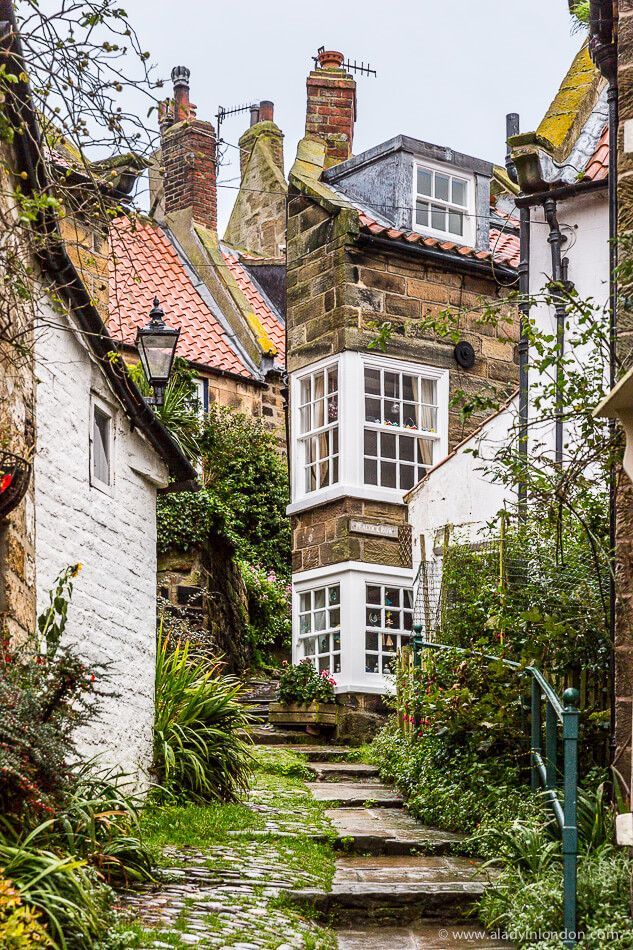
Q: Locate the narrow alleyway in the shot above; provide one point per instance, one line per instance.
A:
(268, 881)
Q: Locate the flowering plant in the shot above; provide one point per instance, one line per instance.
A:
(302, 684)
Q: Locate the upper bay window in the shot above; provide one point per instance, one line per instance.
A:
(318, 428)
(443, 203)
(400, 433)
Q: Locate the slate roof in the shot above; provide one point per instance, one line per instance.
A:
(264, 310)
(148, 262)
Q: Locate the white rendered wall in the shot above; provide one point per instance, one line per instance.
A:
(461, 492)
(112, 618)
(584, 220)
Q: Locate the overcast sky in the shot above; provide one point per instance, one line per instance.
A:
(448, 70)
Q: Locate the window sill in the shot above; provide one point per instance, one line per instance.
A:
(395, 496)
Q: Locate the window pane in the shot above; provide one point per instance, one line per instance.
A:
(387, 445)
(425, 452)
(309, 646)
(456, 222)
(334, 470)
(438, 218)
(305, 624)
(410, 415)
(305, 391)
(319, 599)
(324, 643)
(332, 409)
(324, 663)
(371, 442)
(332, 380)
(428, 392)
(336, 638)
(389, 643)
(425, 181)
(429, 418)
(407, 621)
(372, 382)
(410, 388)
(373, 617)
(408, 599)
(407, 449)
(422, 213)
(101, 445)
(392, 413)
(371, 472)
(371, 663)
(335, 618)
(388, 474)
(392, 596)
(319, 620)
(304, 417)
(319, 413)
(392, 385)
(388, 665)
(442, 183)
(334, 595)
(373, 594)
(371, 641)
(372, 410)
(459, 192)
(407, 477)
(337, 664)
(304, 602)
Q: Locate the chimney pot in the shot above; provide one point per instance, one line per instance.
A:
(330, 59)
(254, 115)
(266, 111)
(182, 107)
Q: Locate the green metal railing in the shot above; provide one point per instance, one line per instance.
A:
(544, 764)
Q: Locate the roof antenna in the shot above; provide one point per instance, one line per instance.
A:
(224, 113)
(364, 69)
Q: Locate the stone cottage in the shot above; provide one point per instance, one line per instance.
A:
(100, 457)
(376, 243)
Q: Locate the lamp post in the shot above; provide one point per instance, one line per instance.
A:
(156, 345)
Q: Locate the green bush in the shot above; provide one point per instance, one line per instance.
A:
(199, 752)
(20, 927)
(302, 684)
(270, 624)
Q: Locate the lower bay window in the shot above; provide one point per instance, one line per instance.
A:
(365, 425)
(352, 620)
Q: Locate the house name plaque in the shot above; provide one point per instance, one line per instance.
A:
(375, 530)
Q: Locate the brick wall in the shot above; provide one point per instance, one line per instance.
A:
(112, 616)
(331, 109)
(266, 402)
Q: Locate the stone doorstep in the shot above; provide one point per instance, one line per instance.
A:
(339, 771)
(320, 753)
(270, 735)
(356, 794)
(442, 935)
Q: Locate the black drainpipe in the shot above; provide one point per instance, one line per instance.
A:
(559, 278)
(612, 99)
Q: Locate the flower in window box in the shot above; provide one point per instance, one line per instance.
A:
(5, 481)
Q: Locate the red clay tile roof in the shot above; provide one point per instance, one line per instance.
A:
(504, 249)
(598, 167)
(265, 313)
(145, 263)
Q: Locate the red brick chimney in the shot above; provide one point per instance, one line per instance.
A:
(331, 111)
(188, 156)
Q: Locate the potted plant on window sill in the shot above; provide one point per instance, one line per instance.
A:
(306, 698)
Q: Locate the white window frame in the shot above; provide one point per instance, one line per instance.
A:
(97, 404)
(400, 634)
(352, 576)
(351, 422)
(298, 438)
(309, 618)
(467, 239)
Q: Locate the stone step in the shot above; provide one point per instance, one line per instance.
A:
(270, 735)
(257, 712)
(356, 794)
(388, 831)
(437, 936)
(395, 890)
(342, 771)
(320, 753)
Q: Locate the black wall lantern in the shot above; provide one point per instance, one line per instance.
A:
(156, 348)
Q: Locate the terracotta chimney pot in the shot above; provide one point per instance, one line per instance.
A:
(331, 59)
(266, 111)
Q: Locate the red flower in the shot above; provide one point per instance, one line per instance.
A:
(5, 481)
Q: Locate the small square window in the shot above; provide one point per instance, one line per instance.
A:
(442, 202)
(101, 445)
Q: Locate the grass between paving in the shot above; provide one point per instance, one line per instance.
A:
(281, 820)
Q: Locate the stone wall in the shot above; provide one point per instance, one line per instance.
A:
(209, 598)
(323, 535)
(267, 402)
(112, 533)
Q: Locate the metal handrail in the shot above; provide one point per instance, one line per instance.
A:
(544, 771)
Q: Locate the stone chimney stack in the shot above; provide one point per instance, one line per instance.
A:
(189, 158)
(262, 126)
(331, 111)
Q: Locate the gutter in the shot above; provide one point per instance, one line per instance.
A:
(57, 263)
(467, 265)
(560, 193)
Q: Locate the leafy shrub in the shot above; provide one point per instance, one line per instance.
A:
(188, 519)
(270, 623)
(302, 684)
(198, 750)
(20, 926)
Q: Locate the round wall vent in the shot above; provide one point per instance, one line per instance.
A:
(464, 354)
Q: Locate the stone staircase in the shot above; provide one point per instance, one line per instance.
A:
(397, 884)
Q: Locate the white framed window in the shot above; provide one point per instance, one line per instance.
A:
(388, 625)
(101, 446)
(320, 627)
(443, 202)
(401, 426)
(319, 428)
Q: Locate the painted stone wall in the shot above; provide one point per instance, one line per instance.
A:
(112, 534)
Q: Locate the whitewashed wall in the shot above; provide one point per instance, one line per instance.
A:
(112, 616)
(460, 492)
(584, 220)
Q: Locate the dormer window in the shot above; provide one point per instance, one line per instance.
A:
(443, 203)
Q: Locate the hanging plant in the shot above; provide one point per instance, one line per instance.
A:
(15, 473)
